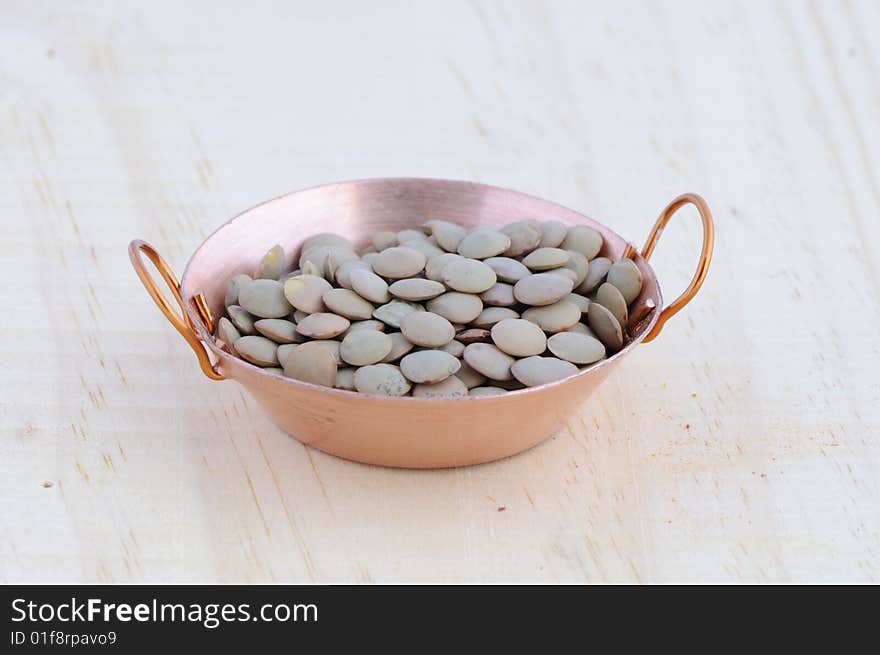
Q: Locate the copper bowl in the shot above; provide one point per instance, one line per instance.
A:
(401, 432)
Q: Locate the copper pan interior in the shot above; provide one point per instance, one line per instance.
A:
(357, 210)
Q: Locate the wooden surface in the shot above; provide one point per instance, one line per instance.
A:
(743, 445)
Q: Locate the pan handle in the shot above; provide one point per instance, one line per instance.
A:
(702, 265)
(181, 321)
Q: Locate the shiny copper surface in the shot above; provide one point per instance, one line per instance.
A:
(702, 264)
(183, 323)
(402, 432)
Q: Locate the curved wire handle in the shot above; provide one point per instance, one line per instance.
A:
(181, 321)
(702, 266)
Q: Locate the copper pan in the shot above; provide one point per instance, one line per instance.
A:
(402, 432)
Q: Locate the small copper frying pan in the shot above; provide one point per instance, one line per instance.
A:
(402, 432)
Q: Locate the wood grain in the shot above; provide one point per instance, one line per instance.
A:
(741, 446)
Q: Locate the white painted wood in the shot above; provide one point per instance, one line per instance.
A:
(742, 446)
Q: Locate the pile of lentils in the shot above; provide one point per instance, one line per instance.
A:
(439, 312)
